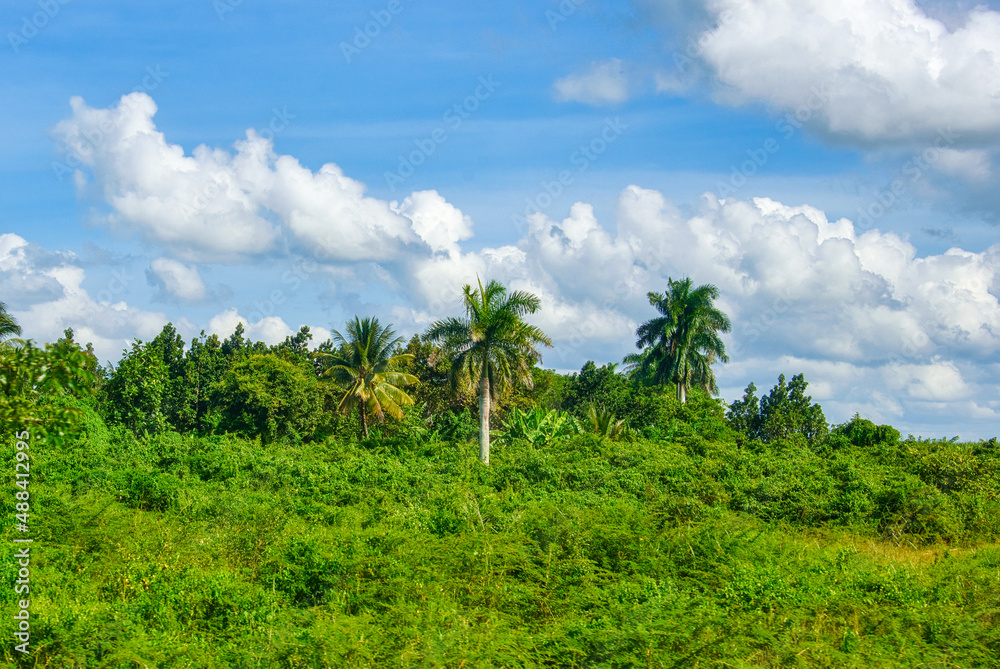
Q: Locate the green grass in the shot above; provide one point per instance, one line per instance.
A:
(218, 552)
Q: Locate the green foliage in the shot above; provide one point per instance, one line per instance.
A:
(194, 406)
(863, 433)
(598, 385)
(603, 422)
(683, 547)
(609, 553)
(137, 391)
(782, 413)
(34, 383)
(455, 426)
(491, 346)
(9, 330)
(538, 426)
(643, 407)
(270, 398)
(430, 366)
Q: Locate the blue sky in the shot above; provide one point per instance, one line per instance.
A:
(829, 166)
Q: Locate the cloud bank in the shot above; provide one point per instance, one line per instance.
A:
(872, 71)
(875, 327)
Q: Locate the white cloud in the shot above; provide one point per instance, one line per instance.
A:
(178, 279)
(61, 302)
(440, 224)
(864, 70)
(213, 205)
(603, 83)
(937, 381)
(972, 165)
(22, 281)
(205, 201)
(860, 311)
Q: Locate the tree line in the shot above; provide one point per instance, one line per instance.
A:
(459, 373)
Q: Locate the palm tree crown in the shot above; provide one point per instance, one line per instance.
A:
(680, 345)
(365, 366)
(491, 346)
(9, 329)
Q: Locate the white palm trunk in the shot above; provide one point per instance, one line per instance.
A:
(484, 420)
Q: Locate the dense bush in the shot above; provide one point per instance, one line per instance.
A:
(406, 551)
(267, 534)
(267, 397)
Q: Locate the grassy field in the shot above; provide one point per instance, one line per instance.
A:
(405, 551)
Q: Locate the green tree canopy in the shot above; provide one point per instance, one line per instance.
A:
(783, 412)
(271, 398)
(32, 381)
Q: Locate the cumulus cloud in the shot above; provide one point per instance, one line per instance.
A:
(216, 205)
(178, 279)
(22, 279)
(603, 83)
(874, 326)
(440, 224)
(57, 300)
(866, 71)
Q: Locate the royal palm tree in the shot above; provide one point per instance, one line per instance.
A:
(681, 344)
(365, 366)
(9, 330)
(491, 346)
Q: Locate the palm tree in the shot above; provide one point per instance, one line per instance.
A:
(603, 421)
(365, 366)
(9, 329)
(681, 344)
(492, 344)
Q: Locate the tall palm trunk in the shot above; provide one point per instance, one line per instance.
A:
(364, 419)
(681, 392)
(484, 419)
